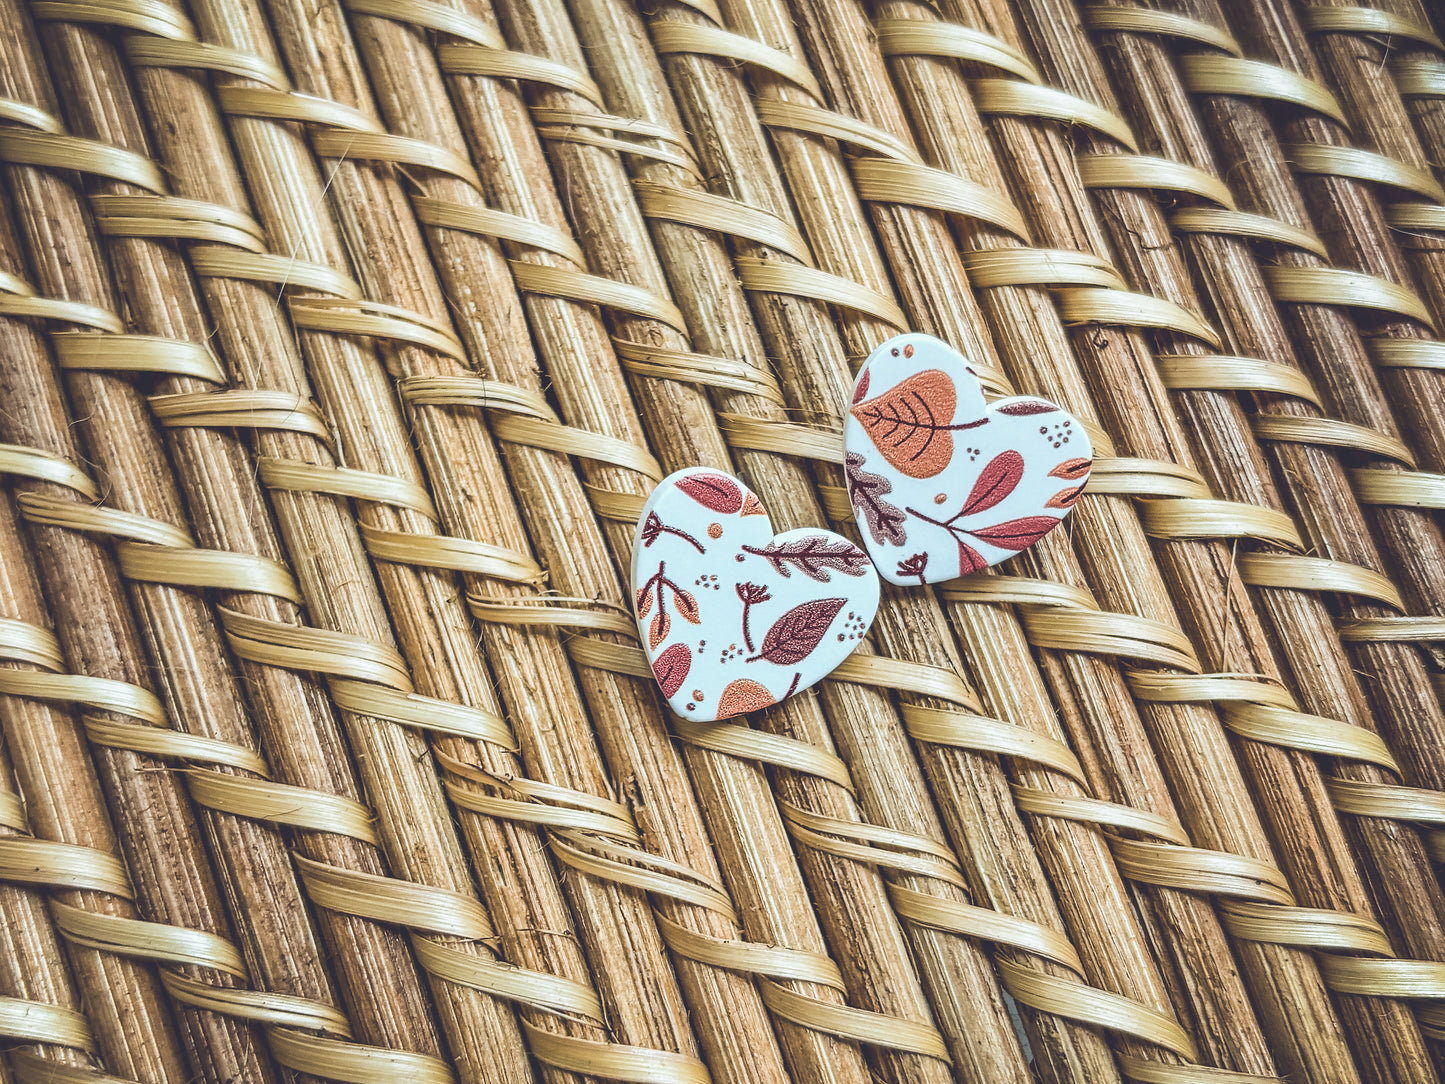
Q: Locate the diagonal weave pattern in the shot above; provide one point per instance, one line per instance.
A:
(341, 343)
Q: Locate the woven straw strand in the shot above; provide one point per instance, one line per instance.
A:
(43, 994)
(1416, 716)
(378, 320)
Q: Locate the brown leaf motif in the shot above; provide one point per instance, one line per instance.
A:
(653, 528)
(1027, 407)
(752, 506)
(1016, 534)
(1064, 498)
(866, 490)
(671, 667)
(969, 559)
(715, 491)
(862, 389)
(814, 556)
(794, 635)
(996, 481)
(1072, 469)
(911, 423)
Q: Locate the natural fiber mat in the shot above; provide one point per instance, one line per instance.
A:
(341, 342)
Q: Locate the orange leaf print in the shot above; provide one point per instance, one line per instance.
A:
(1064, 498)
(742, 696)
(1072, 469)
(686, 607)
(658, 630)
(911, 423)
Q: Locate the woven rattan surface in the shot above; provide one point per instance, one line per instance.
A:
(341, 342)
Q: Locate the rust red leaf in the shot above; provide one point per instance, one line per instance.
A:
(862, 389)
(715, 491)
(794, 635)
(996, 481)
(1016, 534)
(671, 667)
(969, 559)
(1028, 406)
(1072, 469)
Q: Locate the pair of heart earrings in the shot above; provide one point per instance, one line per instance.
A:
(735, 618)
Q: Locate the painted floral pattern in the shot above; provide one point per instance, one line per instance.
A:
(941, 483)
(734, 618)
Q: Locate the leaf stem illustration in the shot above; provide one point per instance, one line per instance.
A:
(1014, 534)
(946, 524)
(654, 528)
(751, 594)
(682, 600)
(915, 565)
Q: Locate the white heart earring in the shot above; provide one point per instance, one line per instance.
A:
(943, 484)
(734, 618)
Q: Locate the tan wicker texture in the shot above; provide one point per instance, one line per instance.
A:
(341, 342)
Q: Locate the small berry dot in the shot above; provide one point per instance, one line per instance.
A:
(940, 498)
(895, 351)
(908, 351)
(740, 558)
(714, 530)
(691, 707)
(1043, 429)
(840, 637)
(696, 695)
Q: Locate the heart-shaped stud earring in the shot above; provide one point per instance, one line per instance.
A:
(733, 617)
(943, 485)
